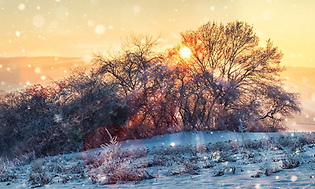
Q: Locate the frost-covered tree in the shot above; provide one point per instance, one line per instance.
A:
(228, 80)
(125, 68)
(138, 74)
(60, 117)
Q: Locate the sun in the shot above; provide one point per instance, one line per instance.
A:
(185, 52)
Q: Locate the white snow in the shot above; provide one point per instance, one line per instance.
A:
(220, 166)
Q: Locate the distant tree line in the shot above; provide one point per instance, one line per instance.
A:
(228, 82)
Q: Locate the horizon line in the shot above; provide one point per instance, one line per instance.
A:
(78, 57)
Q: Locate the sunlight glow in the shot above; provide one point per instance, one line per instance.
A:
(185, 52)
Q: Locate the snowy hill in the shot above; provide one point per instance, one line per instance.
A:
(181, 160)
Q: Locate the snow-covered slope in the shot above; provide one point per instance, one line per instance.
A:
(182, 160)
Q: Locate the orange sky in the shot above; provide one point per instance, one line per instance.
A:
(76, 28)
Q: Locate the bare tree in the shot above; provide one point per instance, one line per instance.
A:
(138, 74)
(229, 79)
(125, 67)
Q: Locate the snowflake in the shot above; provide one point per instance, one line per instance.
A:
(137, 9)
(266, 15)
(37, 70)
(21, 6)
(61, 13)
(100, 29)
(294, 178)
(38, 21)
(172, 144)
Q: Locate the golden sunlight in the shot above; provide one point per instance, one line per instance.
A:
(185, 52)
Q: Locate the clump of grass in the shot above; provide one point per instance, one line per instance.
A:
(219, 173)
(186, 167)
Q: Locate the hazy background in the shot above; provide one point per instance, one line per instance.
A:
(74, 28)
(42, 40)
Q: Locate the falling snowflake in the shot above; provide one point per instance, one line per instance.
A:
(172, 144)
(21, 6)
(37, 70)
(87, 59)
(38, 21)
(61, 13)
(294, 178)
(18, 34)
(266, 15)
(100, 29)
(137, 9)
(90, 23)
(54, 24)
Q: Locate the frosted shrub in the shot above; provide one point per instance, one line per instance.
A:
(39, 175)
(290, 162)
(7, 172)
(113, 167)
(272, 169)
(3, 167)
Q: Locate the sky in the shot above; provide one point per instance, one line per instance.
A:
(76, 28)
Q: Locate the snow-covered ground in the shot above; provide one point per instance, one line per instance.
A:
(181, 160)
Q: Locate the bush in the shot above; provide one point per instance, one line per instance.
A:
(290, 162)
(58, 118)
(38, 175)
(113, 167)
(7, 170)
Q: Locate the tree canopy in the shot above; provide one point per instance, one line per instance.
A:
(229, 80)
(226, 81)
